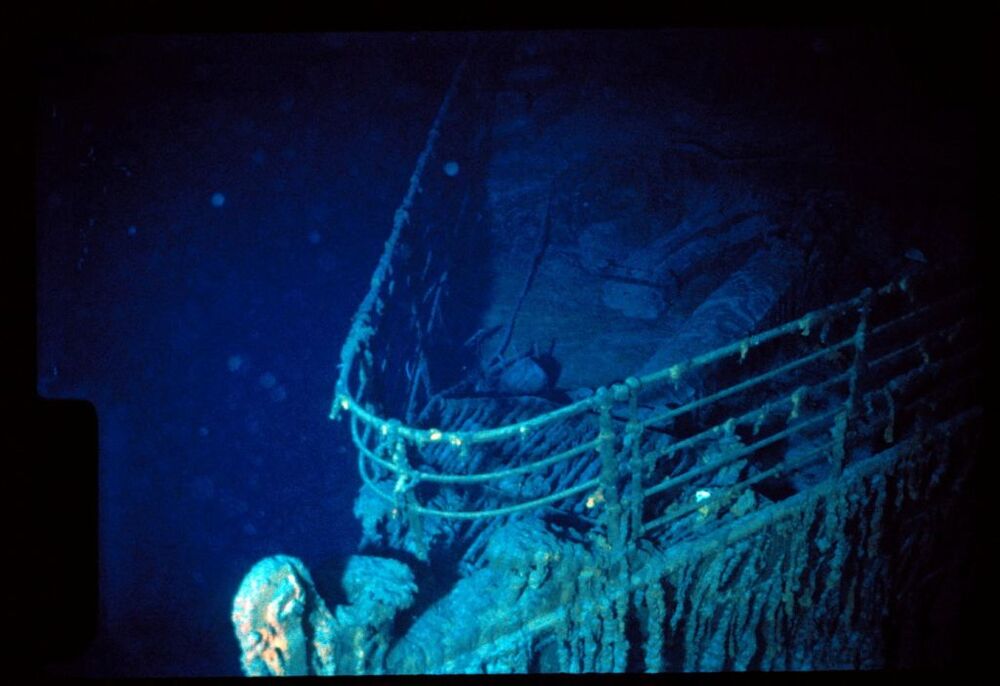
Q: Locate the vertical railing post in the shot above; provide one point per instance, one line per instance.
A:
(403, 490)
(633, 437)
(609, 471)
(840, 428)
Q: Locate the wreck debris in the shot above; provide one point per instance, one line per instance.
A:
(285, 629)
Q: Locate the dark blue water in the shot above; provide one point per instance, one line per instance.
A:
(209, 213)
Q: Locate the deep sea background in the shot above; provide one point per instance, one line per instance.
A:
(209, 211)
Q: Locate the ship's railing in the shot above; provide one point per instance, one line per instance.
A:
(859, 382)
(847, 377)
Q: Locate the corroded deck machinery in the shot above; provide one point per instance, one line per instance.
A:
(775, 496)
